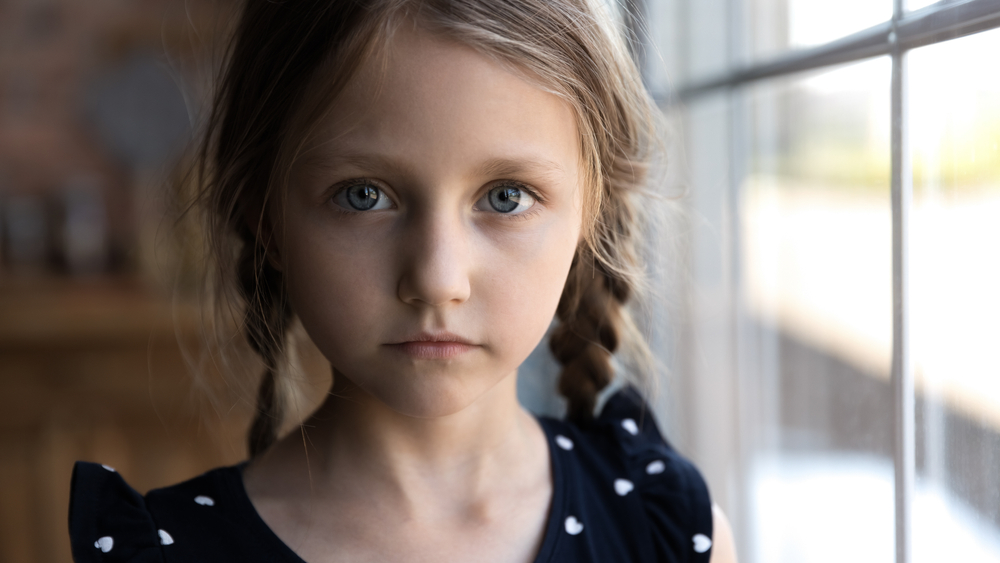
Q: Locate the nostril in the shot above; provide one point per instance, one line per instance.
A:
(435, 274)
(435, 287)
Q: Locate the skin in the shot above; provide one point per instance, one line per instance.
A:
(422, 451)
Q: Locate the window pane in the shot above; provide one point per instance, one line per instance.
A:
(955, 281)
(817, 336)
(702, 396)
(781, 25)
(917, 4)
(689, 41)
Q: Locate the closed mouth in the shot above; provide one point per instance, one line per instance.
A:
(437, 337)
(433, 346)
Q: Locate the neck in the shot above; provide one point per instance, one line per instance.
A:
(355, 443)
(353, 424)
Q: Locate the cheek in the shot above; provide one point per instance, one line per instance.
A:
(334, 284)
(523, 287)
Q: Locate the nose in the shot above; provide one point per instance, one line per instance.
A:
(436, 261)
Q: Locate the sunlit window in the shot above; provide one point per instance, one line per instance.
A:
(813, 23)
(955, 131)
(786, 392)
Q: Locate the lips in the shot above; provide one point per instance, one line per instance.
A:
(433, 346)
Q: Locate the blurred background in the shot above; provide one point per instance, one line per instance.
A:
(776, 324)
(97, 320)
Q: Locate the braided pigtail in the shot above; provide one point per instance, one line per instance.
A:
(590, 315)
(268, 314)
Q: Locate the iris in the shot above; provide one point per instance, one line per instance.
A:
(362, 197)
(505, 199)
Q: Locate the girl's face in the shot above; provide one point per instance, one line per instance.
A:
(428, 232)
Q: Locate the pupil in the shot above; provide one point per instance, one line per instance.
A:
(505, 200)
(362, 198)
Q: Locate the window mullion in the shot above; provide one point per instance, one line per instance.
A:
(902, 367)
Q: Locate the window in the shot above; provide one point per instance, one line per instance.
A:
(837, 375)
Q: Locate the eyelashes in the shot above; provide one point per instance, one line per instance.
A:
(506, 198)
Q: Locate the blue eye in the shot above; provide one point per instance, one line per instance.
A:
(509, 199)
(363, 196)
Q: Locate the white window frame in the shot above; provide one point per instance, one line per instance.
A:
(906, 30)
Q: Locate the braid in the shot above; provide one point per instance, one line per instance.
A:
(267, 317)
(590, 318)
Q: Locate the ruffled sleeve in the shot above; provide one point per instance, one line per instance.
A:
(672, 491)
(108, 519)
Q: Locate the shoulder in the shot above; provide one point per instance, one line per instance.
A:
(108, 520)
(199, 519)
(645, 500)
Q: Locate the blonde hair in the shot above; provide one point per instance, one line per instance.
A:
(266, 102)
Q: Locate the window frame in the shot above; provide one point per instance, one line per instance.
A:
(906, 30)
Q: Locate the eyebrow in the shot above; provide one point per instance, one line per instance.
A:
(498, 167)
(367, 162)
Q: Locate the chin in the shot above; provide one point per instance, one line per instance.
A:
(428, 396)
(429, 400)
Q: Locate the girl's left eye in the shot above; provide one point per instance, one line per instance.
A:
(509, 199)
(362, 196)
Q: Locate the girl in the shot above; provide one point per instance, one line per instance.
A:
(423, 184)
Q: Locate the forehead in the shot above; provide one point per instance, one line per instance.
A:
(429, 102)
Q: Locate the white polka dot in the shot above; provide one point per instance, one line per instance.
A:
(108, 467)
(564, 442)
(573, 526)
(630, 426)
(655, 467)
(701, 543)
(204, 501)
(105, 543)
(623, 487)
(165, 538)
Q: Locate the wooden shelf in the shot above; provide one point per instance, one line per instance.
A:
(49, 312)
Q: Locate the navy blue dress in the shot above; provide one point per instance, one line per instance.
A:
(620, 494)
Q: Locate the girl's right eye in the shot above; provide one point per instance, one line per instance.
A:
(362, 196)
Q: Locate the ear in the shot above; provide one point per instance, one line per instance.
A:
(272, 251)
(265, 231)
